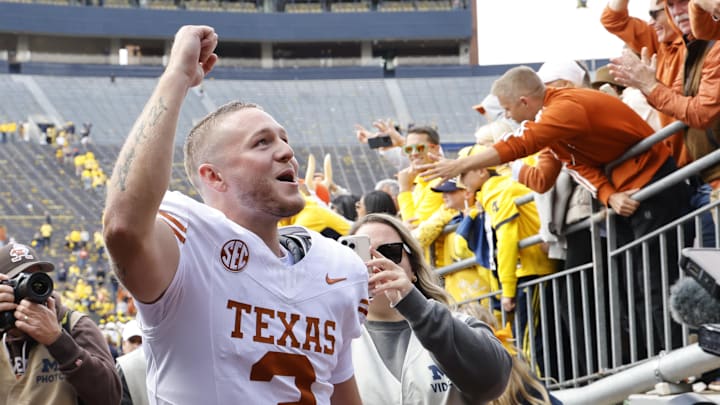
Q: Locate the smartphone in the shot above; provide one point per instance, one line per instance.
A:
(360, 244)
(380, 141)
(703, 264)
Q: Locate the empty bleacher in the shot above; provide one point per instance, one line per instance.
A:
(203, 5)
(350, 7)
(303, 7)
(318, 114)
(18, 102)
(162, 4)
(315, 112)
(292, 6)
(432, 5)
(117, 3)
(446, 103)
(111, 106)
(395, 6)
(241, 6)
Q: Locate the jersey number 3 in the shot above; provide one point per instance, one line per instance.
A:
(287, 364)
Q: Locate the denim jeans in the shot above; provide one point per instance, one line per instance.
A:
(700, 197)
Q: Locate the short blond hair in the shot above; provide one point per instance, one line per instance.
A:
(490, 133)
(197, 147)
(518, 81)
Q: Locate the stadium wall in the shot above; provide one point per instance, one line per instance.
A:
(308, 73)
(242, 27)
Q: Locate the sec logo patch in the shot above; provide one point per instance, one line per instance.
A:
(234, 255)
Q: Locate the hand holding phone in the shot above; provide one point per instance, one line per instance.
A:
(360, 244)
(380, 141)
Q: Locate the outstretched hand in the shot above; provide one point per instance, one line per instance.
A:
(386, 127)
(193, 52)
(362, 134)
(443, 169)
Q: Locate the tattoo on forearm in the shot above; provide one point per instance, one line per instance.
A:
(138, 138)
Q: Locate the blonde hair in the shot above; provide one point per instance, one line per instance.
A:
(427, 280)
(490, 133)
(197, 147)
(521, 378)
(518, 81)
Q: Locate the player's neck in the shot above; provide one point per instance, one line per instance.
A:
(267, 230)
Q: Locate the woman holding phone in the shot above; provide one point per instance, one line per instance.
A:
(414, 349)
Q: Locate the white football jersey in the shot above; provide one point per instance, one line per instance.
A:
(236, 325)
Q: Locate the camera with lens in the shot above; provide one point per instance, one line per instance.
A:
(36, 287)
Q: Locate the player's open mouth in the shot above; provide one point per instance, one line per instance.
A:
(286, 177)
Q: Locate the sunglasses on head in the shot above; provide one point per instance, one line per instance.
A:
(410, 149)
(655, 13)
(393, 251)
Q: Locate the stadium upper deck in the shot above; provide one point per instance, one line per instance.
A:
(420, 32)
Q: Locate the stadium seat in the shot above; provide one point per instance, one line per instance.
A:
(394, 6)
(431, 5)
(162, 4)
(303, 8)
(240, 6)
(117, 3)
(203, 5)
(352, 7)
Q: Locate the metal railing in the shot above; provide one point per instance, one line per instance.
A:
(593, 332)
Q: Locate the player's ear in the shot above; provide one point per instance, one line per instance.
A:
(210, 176)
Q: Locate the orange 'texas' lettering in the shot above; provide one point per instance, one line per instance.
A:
(239, 307)
(260, 325)
(288, 330)
(264, 317)
(330, 337)
(312, 334)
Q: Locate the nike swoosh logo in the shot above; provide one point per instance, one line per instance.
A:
(333, 280)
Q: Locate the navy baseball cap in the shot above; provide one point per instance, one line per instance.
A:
(448, 186)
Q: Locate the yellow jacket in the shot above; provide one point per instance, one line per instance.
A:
(429, 234)
(421, 202)
(510, 224)
(319, 218)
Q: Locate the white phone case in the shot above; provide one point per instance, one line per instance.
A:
(360, 244)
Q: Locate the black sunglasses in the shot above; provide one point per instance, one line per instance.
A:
(393, 251)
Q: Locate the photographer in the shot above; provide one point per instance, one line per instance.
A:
(53, 355)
